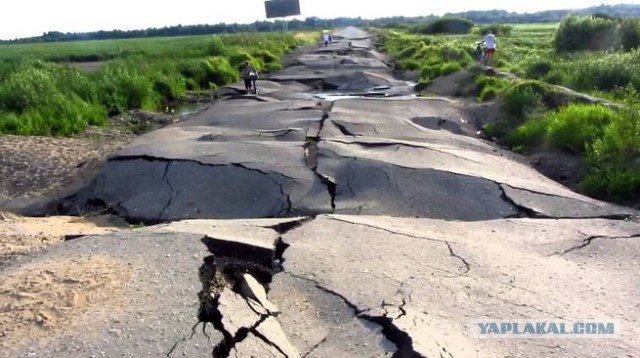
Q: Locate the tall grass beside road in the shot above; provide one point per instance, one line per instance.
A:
(42, 94)
(593, 55)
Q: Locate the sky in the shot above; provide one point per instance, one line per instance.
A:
(25, 18)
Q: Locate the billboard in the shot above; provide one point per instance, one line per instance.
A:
(282, 8)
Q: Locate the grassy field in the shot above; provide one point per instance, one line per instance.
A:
(536, 116)
(41, 94)
(106, 49)
(98, 50)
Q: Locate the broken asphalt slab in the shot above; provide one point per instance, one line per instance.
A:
(154, 311)
(185, 180)
(378, 176)
(427, 280)
(423, 119)
(356, 286)
(156, 306)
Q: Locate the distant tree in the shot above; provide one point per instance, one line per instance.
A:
(446, 26)
(630, 34)
(604, 12)
(498, 29)
(585, 33)
(604, 16)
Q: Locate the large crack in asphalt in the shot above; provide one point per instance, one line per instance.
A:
(343, 129)
(94, 204)
(222, 271)
(310, 155)
(453, 254)
(173, 195)
(522, 211)
(587, 241)
(538, 215)
(401, 339)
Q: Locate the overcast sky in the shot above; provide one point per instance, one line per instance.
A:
(24, 18)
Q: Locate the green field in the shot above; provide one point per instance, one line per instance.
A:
(97, 50)
(106, 49)
(41, 94)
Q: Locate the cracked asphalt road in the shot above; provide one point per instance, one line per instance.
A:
(247, 157)
(357, 286)
(374, 233)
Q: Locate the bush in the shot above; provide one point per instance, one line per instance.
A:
(488, 93)
(446, 26)
(489, 86)
(577, 126)
(408, 52)
(630, 34)
(522, 101)
(585, 33)
(408, 65)
(422, 84)
(496, 29)
(65, 115)
(527, 136)
(268, 61)
(574, 128)
(216, 46)
(604, 73)
(619, 184)
(610, 140)
(449, 67)
(457, 54)
(122, 89)
(430, 72)
(39, 98)
(619, 142)
(539, 69)
(208, 72)
(613, 158)
(169, 87)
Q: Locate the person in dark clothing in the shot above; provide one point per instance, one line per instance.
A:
(250, 76)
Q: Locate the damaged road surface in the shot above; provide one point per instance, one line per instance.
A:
(291, 224)
(342, 286)
(286, 153)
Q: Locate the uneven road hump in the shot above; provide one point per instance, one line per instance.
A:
(331, 215)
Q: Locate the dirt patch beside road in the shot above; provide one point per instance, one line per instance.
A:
(42, 299)
(32, 166)
(19, 235)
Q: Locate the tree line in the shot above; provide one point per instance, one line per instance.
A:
(312, 23)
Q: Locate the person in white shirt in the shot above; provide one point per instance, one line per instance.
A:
(326, 38)
(490, 46)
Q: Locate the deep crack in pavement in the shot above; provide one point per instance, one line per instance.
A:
(401, 339)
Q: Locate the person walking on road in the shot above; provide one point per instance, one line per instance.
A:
(250, 76)
(490, 47)
(326, 38)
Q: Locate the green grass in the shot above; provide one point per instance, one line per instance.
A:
(39, 96)
(174, 47)
(539, 115)
(107, 49)
(571, 129)
(546, 28)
